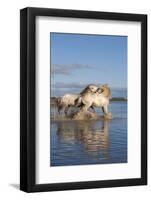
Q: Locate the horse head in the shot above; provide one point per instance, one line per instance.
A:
(89, 89)
(105, 90)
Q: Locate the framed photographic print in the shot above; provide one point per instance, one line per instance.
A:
(83, 98)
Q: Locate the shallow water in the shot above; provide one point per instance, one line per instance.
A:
(90, 142)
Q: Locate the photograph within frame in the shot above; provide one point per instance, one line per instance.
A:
(79, 61)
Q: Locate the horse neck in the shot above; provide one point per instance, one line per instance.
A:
(77, 95)
(107, 93)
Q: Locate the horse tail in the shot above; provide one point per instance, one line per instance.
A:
(57, 100)
(59, 104)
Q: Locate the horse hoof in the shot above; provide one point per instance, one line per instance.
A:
(108, 116)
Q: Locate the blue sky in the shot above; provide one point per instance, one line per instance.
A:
(78, 60)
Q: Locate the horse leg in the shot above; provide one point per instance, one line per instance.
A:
(105, 109)
(66, 110)
(86, 107)
(93, 109)
(78, 102)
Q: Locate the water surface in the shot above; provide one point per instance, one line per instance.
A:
(90, 142)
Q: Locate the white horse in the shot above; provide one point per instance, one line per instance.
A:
(69, 100)
(66, 101)
(99, 98)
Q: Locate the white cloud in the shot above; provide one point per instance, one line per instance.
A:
(59, 69)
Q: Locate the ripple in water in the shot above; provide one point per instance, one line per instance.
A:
(90, 142)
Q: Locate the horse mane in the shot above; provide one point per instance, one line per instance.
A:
(87, 89)
(106, 90)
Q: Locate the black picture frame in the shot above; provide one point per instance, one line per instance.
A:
(28, 99)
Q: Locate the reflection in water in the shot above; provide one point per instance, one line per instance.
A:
(87, 140)
(93, 139)
(90, 142)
